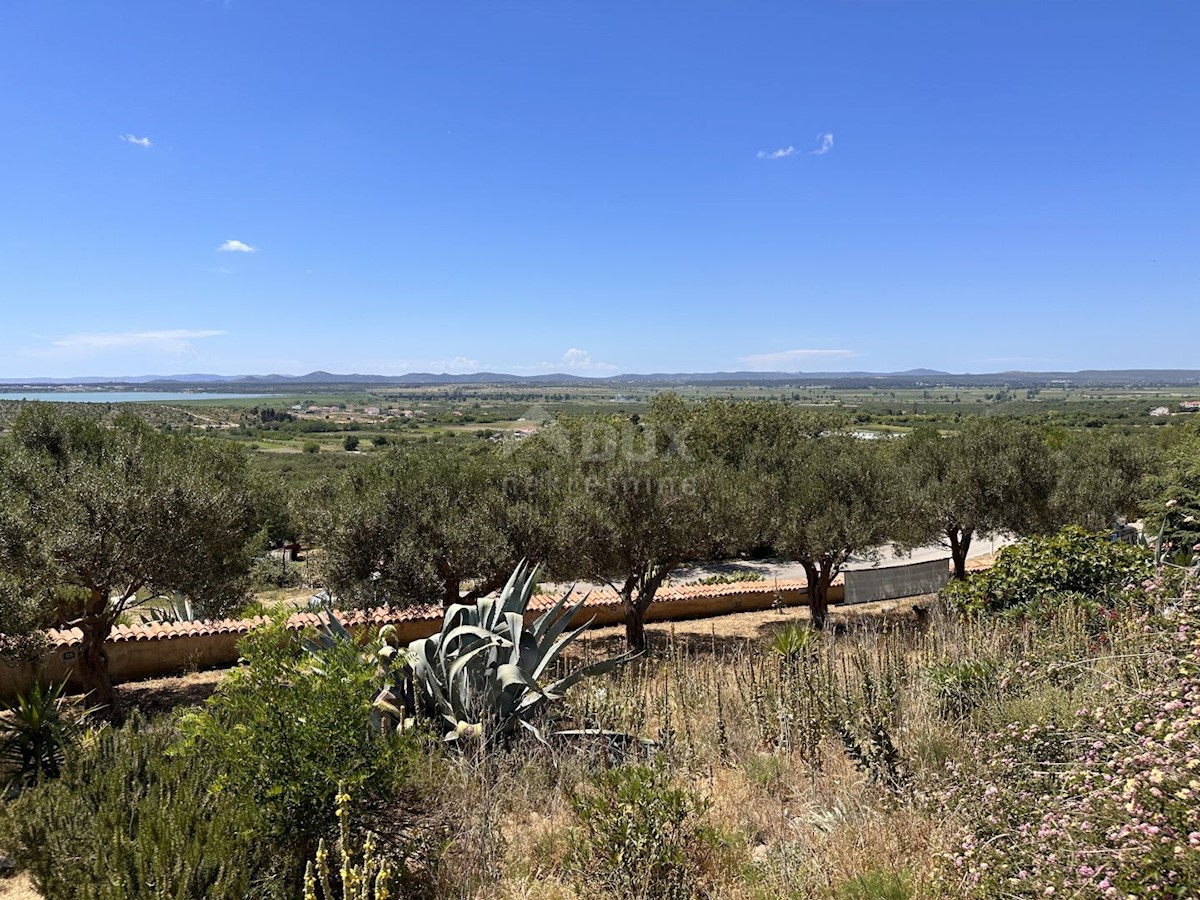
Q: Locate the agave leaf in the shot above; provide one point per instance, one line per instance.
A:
(550, 617)
(514, 579)
(463, 631)
(555, 651)
(597, 668)
(534, 730)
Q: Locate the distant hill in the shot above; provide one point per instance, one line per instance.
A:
(909, 378)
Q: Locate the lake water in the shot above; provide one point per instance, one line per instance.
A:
(124, 396)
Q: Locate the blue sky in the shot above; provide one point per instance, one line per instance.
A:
(282, 185)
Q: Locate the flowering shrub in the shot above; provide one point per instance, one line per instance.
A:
(1107, 805)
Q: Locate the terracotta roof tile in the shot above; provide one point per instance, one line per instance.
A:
(597, 597)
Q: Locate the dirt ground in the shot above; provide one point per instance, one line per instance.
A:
(18, 888)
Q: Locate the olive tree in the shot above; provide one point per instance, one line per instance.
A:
(635, 507)
(98, 519)
(995, 474)
(837, 496)
(1099, 477)
(421, 526)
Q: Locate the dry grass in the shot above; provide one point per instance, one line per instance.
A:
(792, 754)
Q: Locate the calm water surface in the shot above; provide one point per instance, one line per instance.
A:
(123, 396)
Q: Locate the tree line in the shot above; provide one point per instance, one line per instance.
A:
(96, 518)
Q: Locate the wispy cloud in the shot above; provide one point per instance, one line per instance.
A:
(236, 247)
(580, 360)
(782, 359)
(134, 139)
(169, 342)
(781, 153)
(824, 145)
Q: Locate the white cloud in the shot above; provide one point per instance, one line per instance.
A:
(825, 145)
(236, 247)
(577, 359)
(582, 359)
(133, 139)
(781, 360)
(781, 153)
(171, 341)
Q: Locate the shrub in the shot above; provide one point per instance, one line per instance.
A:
(35, 733)
(350, 443)
(311, 447)
(959, 687)
(642, 836)
(289, 726)
(128, 822)
(1103, 805)
(1069, 562)
(269, 573)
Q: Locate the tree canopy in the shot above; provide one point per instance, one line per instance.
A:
(838, 496)
(993, 475)
(99, 518)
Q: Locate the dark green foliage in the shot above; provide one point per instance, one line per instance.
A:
(36, 730)
(642, 836)
(866, 722)
(96, 518)
(1042, 568)
(287, 727)
(836, 496)
(414, 527)
(960, 687)
(272, 573)
(128, 822)
(350, 443)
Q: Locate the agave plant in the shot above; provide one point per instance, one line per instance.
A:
(485, 673)
(175, 611)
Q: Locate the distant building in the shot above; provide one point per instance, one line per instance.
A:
(372, 410)
(1160, 411)
(1190, 406)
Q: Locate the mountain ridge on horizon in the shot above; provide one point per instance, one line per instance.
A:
(320, 377)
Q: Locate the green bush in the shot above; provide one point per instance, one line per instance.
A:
(960, 687)
(285, 729)
(642, 836)
(1069, 562)
(311, 447)
(127, 822)
(269, 573)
